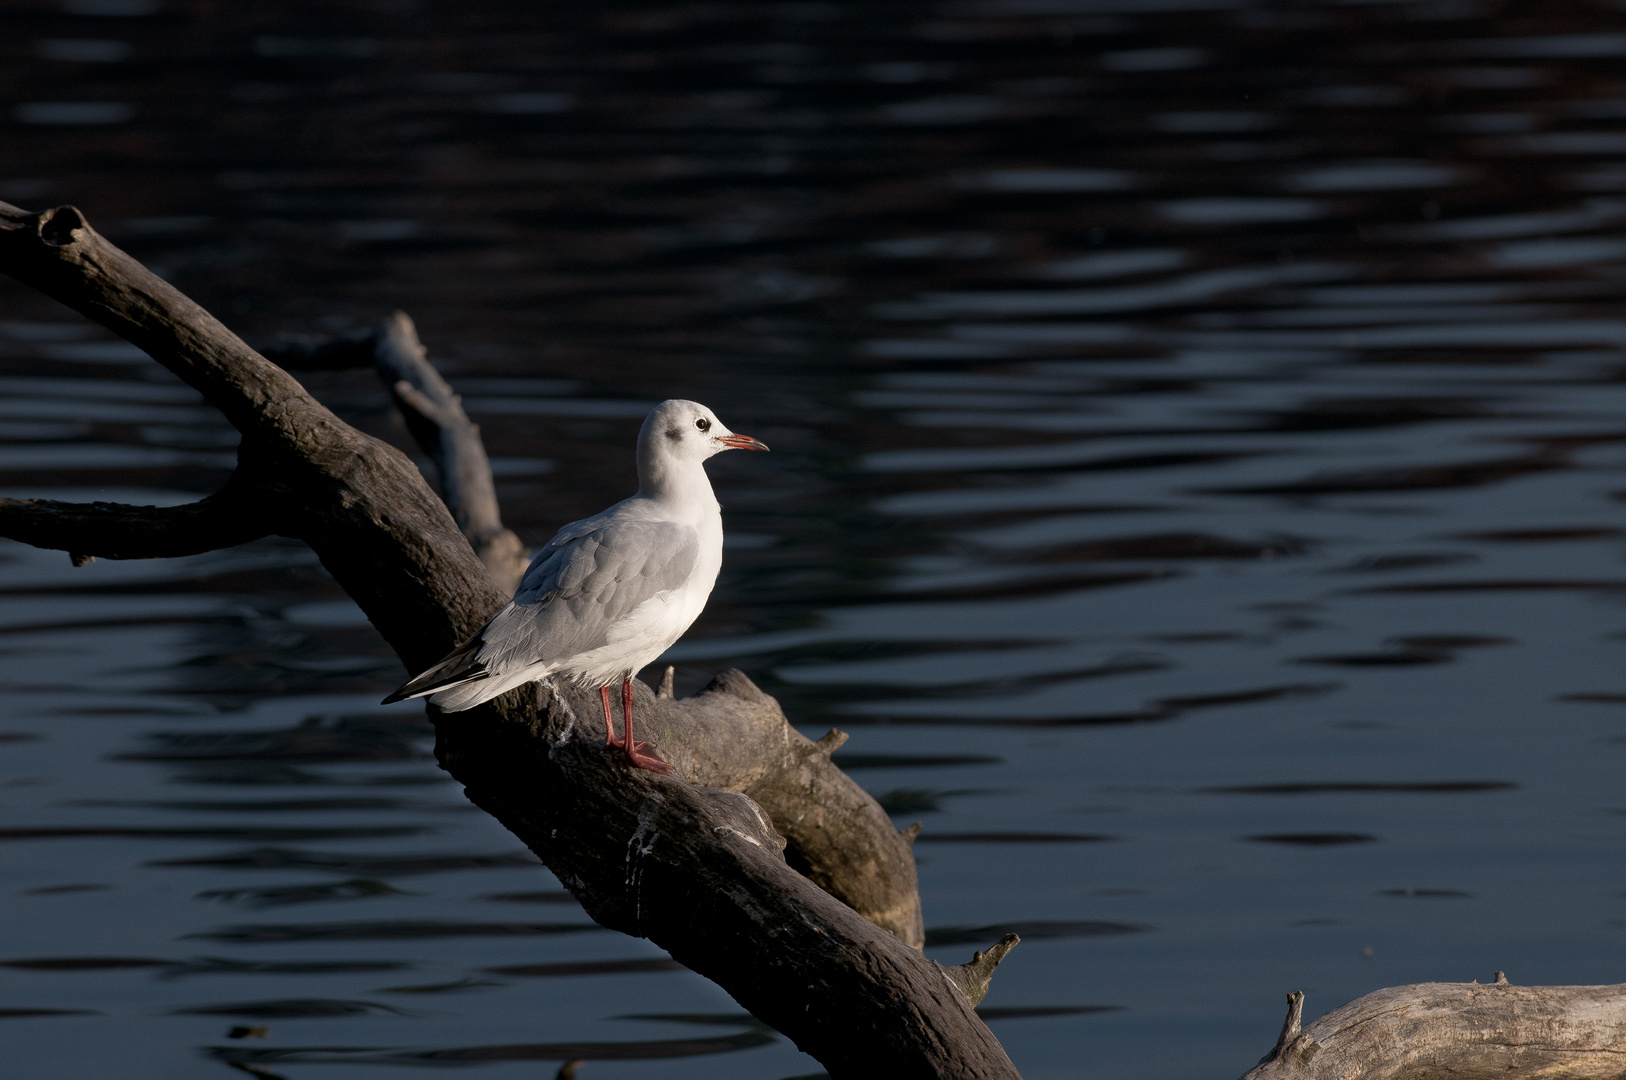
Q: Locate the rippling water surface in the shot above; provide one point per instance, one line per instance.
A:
(1199, 455)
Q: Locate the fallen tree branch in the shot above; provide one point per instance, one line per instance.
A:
(1459, 1030)
(694, 862)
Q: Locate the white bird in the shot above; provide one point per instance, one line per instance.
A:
(610, 593)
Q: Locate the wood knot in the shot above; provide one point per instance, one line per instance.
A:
(61, 227)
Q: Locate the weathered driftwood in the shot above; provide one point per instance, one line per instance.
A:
(1459, 1030)
(694, 862)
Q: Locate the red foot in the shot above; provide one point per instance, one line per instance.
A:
(640, 754)
(643, 755)
(651, 760)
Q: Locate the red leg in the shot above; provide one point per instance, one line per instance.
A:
(609, 722)
(626, 711)
(643, 755)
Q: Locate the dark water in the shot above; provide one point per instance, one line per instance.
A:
(1199, 453)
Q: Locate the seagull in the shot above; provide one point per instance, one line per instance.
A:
(610, 593)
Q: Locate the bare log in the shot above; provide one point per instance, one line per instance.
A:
(693, 862)
(1461, 1030)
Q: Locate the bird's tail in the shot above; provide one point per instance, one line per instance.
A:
(458, 667)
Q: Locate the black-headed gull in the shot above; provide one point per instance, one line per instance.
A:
(610, 593)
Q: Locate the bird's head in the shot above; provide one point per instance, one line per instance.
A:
(688, 431)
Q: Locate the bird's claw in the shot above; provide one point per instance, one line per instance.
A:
(642, 755)
(652, 763)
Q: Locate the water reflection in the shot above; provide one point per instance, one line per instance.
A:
(1198, 427)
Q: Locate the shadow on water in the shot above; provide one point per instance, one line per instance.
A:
(291, 1009)
(373, 865)
(285, 895)
(331, 739)
(384, 930)
(1039, 930)
(1197, 486)
(654, 1049)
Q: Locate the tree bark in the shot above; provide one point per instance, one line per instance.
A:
(692, 861)
(1459, 1030)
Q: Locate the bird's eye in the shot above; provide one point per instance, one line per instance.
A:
(703, 424)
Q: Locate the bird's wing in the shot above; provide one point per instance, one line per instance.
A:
(573, 594)
(569, 602)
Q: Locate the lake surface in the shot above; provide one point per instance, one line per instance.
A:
(1199, 440)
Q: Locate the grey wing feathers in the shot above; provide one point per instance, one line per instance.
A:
(578, 587)
(572, 596)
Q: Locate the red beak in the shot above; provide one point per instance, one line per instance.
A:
(741, 442)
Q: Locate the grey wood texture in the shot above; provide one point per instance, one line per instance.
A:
(1428, 1031)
